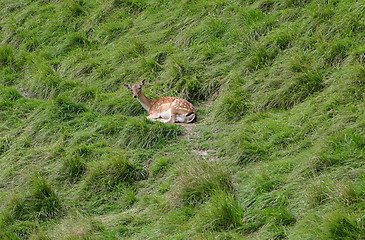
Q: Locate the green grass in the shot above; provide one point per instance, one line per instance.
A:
(277, 151)
(199, 180)
(107, 175)
(224, 212)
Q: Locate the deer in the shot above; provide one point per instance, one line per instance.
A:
(165, 109)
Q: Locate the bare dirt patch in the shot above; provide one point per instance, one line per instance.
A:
(192, 135)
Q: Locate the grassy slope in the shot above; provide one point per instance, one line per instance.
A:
(279, 87)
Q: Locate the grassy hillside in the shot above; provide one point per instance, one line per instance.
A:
(278, 150)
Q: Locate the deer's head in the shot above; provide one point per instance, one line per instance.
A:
(136, 88)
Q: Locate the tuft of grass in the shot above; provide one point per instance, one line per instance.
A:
(67, 109)
(336, 51)
(10, 94)
(109, 174)
(224, 212)
(6, 55)
(73, 168)
(129, 197)
(245, 148)
(261, 57)
(20, 230)
(274, 218)
(143, 133)
(340, 149)
(305, 78)
(131, 6)
(323, 191)
(190, 88)
(73, 41)
(5, 143)
(73, 226)
(115, 104)
(7, 234)
(265, 183)
(111, 124)
(75, 7)
(46, 86)
(8, 76)
(198, 182)
(231, 106)
(42, 202)
(340, 225)
(160, 166)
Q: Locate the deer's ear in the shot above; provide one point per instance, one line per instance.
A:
(127, 86)
(143, 82)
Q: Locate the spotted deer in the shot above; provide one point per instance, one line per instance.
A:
(165, 109)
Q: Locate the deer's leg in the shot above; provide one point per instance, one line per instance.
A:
(153, 117)
(172, 118)
(174, 111)
(162, 120)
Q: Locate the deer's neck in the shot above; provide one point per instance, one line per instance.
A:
(145, 101)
